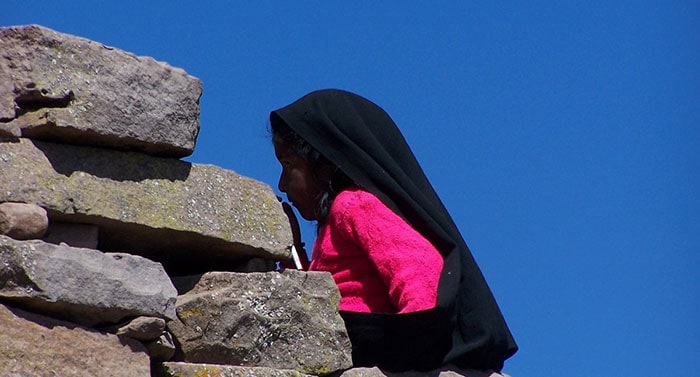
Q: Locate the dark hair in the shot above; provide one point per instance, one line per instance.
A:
(282, 133)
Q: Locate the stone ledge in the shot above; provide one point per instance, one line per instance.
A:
(59, 87)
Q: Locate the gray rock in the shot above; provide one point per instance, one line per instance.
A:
(179, 369)
(143, 328)
(59, 87)
(163, 348)
(284, 320)
(82, 285)
(186, 216)
(8, 132)
(23, 221)
(363, 372)
(35, 345)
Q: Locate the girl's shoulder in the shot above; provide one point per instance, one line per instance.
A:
(355, 202)
(354, 196)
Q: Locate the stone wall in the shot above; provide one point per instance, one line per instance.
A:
(119, 259)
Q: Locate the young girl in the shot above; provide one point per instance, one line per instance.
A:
(412, 296)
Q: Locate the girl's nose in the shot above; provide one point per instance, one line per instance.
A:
(282, 184)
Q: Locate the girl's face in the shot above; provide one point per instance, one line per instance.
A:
(301, 185)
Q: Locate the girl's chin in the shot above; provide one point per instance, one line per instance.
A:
(306, 215)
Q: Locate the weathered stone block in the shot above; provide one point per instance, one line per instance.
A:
(161, 349)
(283, 320)
(178, 369)
(59, 87)
(34, 345)
(143, 328)
(82, 285)
(23, 221)
(364, 372)
(190, 217)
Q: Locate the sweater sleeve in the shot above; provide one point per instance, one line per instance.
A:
(409, 265)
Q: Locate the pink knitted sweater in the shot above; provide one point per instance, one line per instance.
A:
(379, 262)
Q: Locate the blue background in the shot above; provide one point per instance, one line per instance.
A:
(562, 136)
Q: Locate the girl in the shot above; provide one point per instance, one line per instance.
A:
(412, 296)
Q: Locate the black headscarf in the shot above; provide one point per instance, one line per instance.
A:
(466, 328)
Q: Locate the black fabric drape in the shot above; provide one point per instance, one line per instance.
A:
(363, 141)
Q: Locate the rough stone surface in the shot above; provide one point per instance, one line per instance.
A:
(179, 369)
(283, 320)
(363, 372)
(55, 86)
(9, 132)
(163, 348)
(82, 285)
(23, 221)
(143, 328)
(34, 345)
(186, 216)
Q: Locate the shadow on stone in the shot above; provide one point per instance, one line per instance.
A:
(115, 165)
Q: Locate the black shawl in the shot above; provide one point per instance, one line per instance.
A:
(466, 328)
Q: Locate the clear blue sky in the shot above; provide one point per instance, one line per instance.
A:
(562, 136)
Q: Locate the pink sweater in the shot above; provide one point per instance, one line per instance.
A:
(379, 262)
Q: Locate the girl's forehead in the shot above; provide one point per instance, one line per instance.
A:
(283, 150)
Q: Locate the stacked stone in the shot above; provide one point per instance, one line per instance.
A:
(119, 258)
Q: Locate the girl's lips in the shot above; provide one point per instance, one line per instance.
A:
(289, 200)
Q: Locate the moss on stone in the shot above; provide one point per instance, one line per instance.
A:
(185, 314)
(207, 371)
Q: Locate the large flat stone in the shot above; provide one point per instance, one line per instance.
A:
(179, 369)
(35, 345)
(187, 216)
(284, 320)
(83, 285)
(59, 87)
